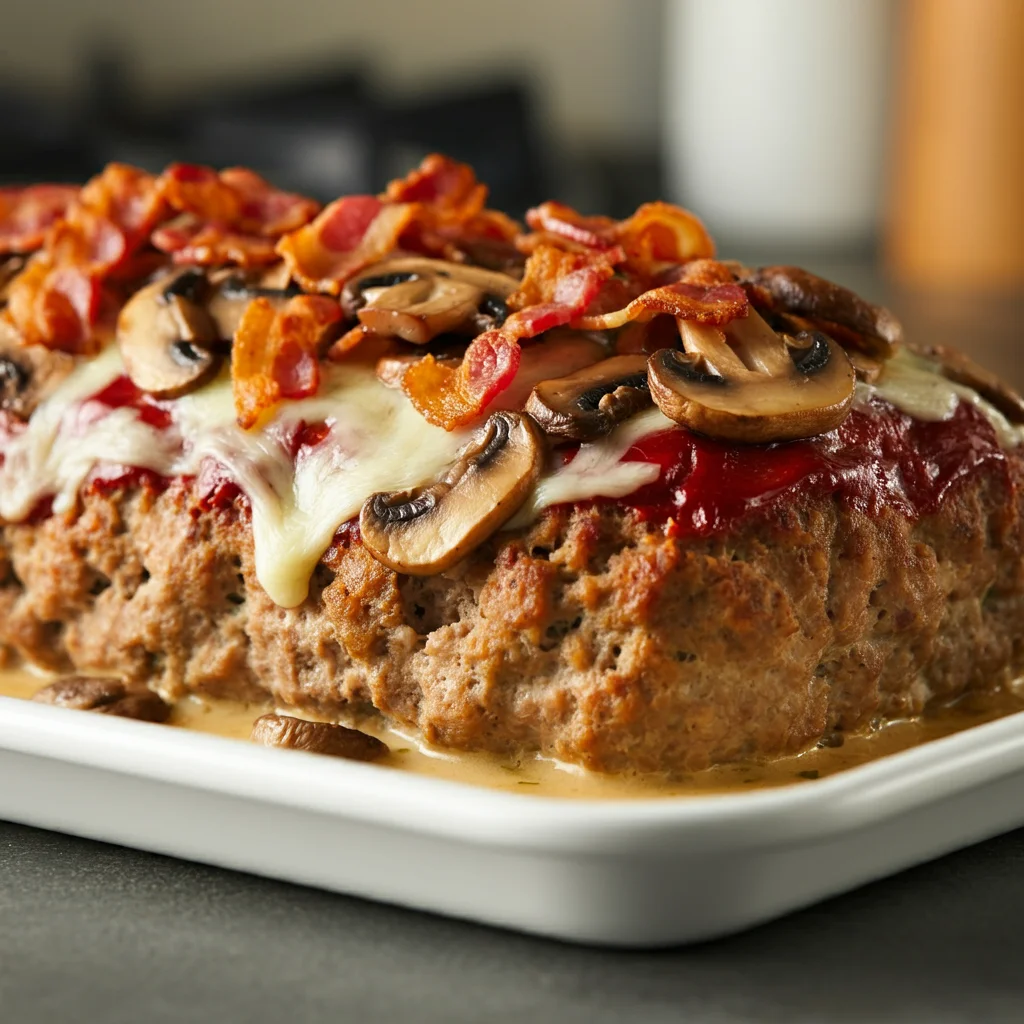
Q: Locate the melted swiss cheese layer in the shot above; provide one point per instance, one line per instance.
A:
(376, 442)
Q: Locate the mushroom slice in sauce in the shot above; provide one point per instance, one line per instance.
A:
(590, 402)
(416, 299)
(762, 387)
(316, 738)
(165, 334)
(793, 290)
(107, 696)
(429, 529)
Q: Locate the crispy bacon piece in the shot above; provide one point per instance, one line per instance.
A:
(704, 290)
(112, 216)
(436, 210)
(350, 234)
(276, 355)
(192, 241)
(451, 212)
(231, 216)
(54, 306)
(266, 209)
(190, 188)
(236, 198)
(449, 188)
(657, 232)
(717, 304)
(27, 213)
(548, 266)
(57, 300)
(449, 397)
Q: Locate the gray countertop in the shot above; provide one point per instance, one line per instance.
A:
(90, 932)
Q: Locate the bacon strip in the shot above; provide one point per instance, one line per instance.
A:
(233, 216)
(432, 210)
(450, 397)
(548, 267)
(192, 241)
(27, 213)
(717, 305)
(276, 355)
(449, 188)
(57, 300)
(658, 232)
(349, 235)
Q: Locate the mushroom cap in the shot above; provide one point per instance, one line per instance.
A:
(429, 529)
(164, 334)
(768, 388)
(107, 695)
(291, 733)
(592, 401)
(416, 299)
(229, 297)
(875, 329)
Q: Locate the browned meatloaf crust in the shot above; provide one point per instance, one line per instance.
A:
(591, 637)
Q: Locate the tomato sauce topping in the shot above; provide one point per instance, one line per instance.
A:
(877, 460)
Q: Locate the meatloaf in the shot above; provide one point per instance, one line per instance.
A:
(591, 637)
(723, 515)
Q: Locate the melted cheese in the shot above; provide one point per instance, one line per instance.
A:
(913, 384)
(598, 469)
(376, 442)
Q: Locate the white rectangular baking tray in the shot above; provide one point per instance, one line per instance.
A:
(631, 873)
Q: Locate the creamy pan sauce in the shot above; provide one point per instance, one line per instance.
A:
(548, 778)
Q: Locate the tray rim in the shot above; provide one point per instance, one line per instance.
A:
(797, 813)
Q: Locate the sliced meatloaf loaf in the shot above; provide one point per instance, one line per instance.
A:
(575, 487)
(593, 636)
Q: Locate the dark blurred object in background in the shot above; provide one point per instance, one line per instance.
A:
(323, 133)
(41, 141)
(772, 112)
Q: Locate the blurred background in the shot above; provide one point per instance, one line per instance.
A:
(880, 142)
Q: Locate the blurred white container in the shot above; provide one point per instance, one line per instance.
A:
(775, 116)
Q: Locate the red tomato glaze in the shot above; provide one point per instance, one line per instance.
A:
(876, 459)
(122, 393)
(873, 460)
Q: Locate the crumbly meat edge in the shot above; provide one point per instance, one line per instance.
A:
(592, 637)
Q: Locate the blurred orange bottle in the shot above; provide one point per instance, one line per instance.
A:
(956, 197)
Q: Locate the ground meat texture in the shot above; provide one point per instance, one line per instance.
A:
(591, 637)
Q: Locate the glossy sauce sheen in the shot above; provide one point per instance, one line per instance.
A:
(885, 459)
(874, 460)
(545, 778)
